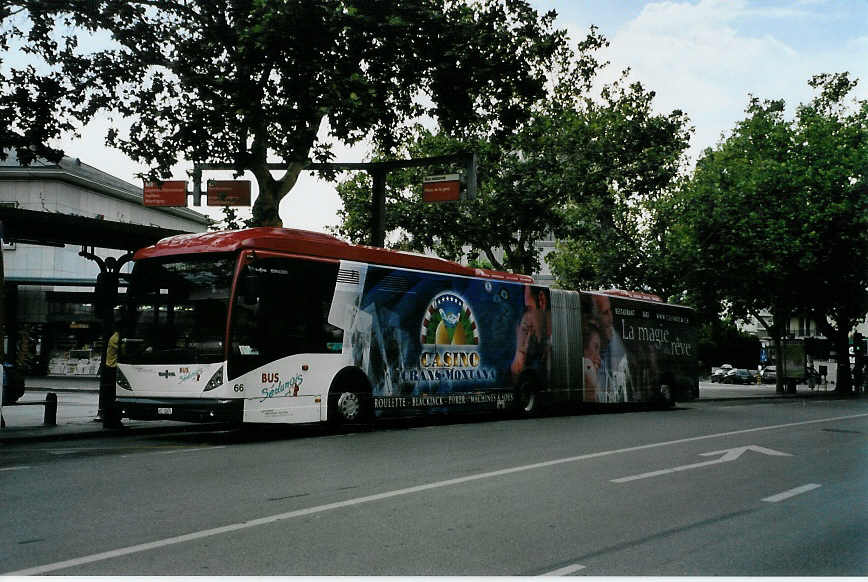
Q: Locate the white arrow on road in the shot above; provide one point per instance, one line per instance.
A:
(728, 455)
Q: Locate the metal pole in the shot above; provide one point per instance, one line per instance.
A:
(197, 186)
(2, 323)
(378, 208)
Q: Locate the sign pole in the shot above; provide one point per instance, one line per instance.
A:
(197, 186)
(378, 207)
(2, 324)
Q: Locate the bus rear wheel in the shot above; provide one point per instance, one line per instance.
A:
(668, 399)
(527, 401)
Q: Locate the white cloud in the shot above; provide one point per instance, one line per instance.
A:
(698, 58)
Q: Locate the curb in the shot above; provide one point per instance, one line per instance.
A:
(819, 395)
(70, 390)
(97, 432)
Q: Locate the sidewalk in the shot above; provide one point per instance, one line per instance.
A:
(77, 405)
(78, 397)
(715, 391)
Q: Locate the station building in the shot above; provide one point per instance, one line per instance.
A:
(52, 327)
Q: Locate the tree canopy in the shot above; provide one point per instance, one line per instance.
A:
(775, 215)
(562, 172)
(625, 159)
(244, 82)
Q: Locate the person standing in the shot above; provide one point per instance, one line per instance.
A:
(107, 380)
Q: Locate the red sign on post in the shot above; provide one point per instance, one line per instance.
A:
(171, 193)
(444, 188)
(228, 192)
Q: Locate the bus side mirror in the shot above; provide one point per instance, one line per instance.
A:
(249, 288)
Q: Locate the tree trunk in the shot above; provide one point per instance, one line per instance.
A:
(775, 331)
(839, 335)
(266, 209)
(842, 345)
(493, 260)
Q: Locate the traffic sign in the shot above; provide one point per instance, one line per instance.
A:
(228, 192)
(441, 188)
(169, 193)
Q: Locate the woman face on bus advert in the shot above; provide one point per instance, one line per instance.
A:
(591, 359)
(602, 312)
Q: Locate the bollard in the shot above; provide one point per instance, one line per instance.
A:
(50, 409)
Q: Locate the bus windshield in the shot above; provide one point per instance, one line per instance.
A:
(176, 310)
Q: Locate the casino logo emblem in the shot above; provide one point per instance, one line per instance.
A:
(449, 321)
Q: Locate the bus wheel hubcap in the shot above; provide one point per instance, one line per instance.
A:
(349, 405)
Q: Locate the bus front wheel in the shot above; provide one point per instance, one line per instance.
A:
(348, 407)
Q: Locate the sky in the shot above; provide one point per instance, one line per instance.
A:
(703, 57)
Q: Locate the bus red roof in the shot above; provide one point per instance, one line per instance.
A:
(314, 244)
(633, 295)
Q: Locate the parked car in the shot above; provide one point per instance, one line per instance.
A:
(717, 374)
(769, 375)
(739, 376)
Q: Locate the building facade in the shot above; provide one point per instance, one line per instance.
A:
(49, 289)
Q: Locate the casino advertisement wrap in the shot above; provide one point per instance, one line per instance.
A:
(430, 341)
(632, 348)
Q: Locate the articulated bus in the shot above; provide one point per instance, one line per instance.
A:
(273, 325)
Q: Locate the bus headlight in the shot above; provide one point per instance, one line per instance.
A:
(215, 381)
(122, 381)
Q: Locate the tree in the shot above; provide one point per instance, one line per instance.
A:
(833, 134)
(774, 216)
(622, 160)
(33, 101)
(533, 182)
(740, 238)
(519, 194)
(621, 240)
(240, 81)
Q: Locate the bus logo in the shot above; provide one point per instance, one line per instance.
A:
(449, 321)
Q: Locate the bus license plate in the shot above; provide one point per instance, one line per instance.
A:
(164, 411)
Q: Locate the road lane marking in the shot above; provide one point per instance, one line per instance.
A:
(565, 571)
(729, 455)
(98, 557)
(173, 451)
(16, 468)
(792, 492)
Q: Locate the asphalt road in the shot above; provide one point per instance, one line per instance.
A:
(711, 488)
